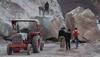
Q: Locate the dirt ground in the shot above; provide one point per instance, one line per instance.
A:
(53, 50)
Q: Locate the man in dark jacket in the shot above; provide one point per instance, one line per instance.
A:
(61, 37)
(61, 31)
(67, 39)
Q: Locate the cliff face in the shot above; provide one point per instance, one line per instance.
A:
(24, 9)
(68, 5)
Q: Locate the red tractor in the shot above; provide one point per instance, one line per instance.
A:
(32, 43)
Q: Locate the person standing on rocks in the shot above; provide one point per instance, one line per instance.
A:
(46, 7)
(67, 39)
(75, 35)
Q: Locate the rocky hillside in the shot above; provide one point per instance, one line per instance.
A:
(24, 9)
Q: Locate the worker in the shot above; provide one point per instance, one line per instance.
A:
(46, 7)
(61, 37)
(67, 39)
(75, 35)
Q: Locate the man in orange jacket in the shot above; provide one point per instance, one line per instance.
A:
(75, 35)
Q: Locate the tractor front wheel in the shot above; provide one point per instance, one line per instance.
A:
(41, 47)
(9, 50)
(29, 49)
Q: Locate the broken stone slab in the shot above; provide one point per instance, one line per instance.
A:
(5, 28)
(76, 11)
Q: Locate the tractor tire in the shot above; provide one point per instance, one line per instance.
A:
(41, 47)
(9, 50)
(29, 51)
(35, 48)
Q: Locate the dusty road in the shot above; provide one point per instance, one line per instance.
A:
(50, 50)
(53, 50)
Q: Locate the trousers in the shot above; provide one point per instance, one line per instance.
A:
(76, 42)
(68, 44)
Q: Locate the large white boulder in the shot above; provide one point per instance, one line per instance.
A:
(85, 21)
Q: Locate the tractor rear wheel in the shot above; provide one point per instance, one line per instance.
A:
(36, 46)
